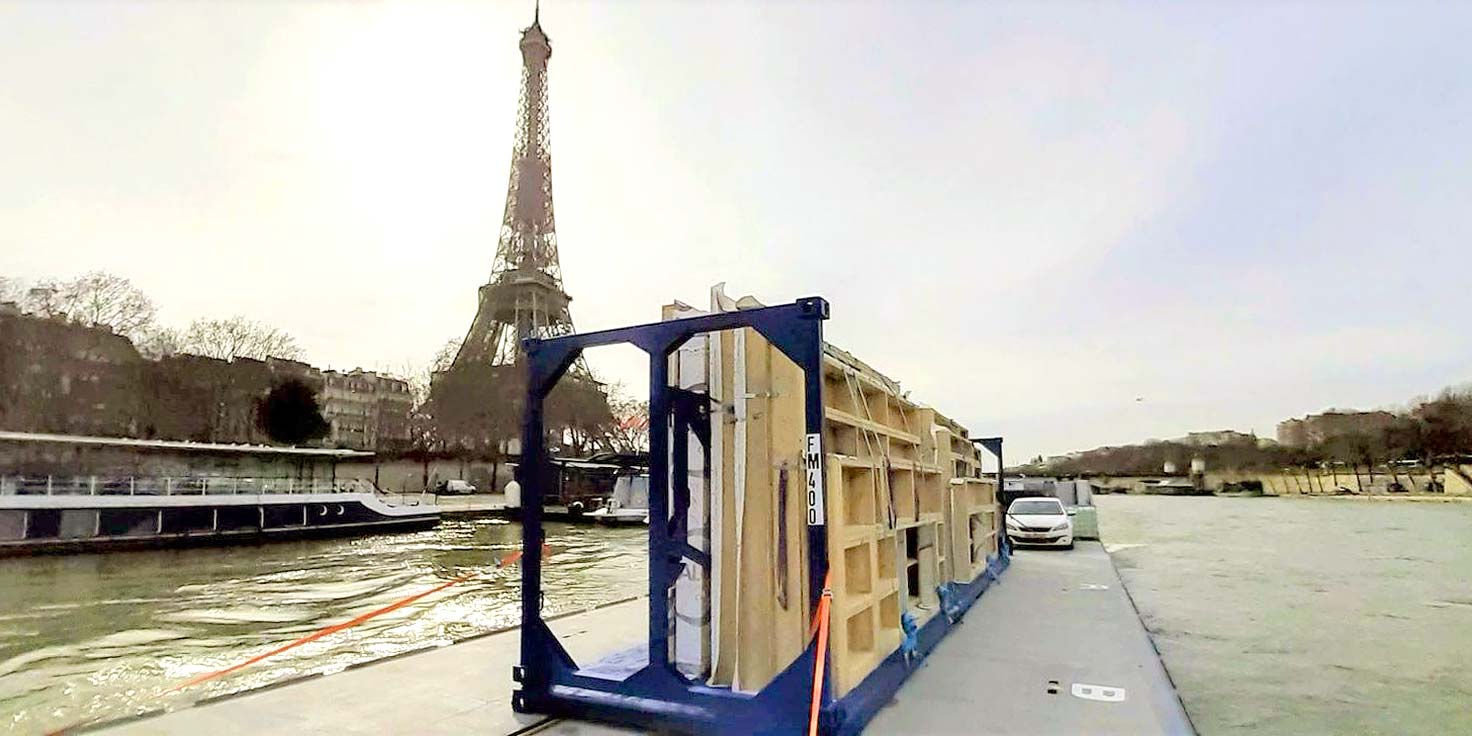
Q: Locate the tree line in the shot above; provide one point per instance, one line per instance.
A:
(476, 410)
(101, 299)
(286, 410)
(1428, 432)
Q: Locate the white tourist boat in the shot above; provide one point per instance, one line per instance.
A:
(73, 512)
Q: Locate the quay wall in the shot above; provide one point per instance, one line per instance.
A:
(1313, 482)
(412, 476)
(72, 460)
(62, 460)
(1455, 481)
(1458, 480)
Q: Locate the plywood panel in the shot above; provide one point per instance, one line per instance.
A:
(787, 480)
(897, 529)
(757, 663)
(725, 582)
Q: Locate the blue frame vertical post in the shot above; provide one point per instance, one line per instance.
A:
(994, 446)
(817, 533)
(659, 512)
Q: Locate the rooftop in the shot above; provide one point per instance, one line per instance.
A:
(173, 445)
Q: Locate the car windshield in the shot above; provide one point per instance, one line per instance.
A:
(1036, 507)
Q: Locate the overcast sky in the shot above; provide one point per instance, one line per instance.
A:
(1072, 224)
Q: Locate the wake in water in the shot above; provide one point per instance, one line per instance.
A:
(104, 636)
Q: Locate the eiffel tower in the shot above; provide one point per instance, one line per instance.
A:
(476, 402)
(524, 296)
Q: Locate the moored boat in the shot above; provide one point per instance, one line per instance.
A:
(201, 498)
(609, 489)
(629, 503)
(94, 514)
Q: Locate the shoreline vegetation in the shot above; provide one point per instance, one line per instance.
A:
(1423, 448)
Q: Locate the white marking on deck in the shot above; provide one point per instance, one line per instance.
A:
(1102, 693)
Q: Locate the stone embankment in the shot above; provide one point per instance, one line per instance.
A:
(1448, 482)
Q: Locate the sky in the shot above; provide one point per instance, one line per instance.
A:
(1070, 224)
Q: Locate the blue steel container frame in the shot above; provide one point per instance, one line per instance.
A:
(656, 695)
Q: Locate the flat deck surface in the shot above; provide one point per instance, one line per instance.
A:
(459, 689)
(1055, 616)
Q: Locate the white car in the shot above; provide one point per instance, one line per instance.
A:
(1042, 521)
(455, 486)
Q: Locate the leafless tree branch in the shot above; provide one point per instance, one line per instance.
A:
(237, 337)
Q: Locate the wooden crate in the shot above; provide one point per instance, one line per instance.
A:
(971, 512)
(892, 510)
(870, 436)
(974, 519)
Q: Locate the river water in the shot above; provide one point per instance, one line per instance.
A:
(1304, 616)
(103, 635)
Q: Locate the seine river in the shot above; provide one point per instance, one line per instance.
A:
(1304, 616)
(1274, 616)
(101, 636)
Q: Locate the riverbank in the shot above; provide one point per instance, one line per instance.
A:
(1398, 498)
(473, 505)
(1291, 615)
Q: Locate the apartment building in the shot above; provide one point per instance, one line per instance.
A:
(1318, 428)
(367, 410)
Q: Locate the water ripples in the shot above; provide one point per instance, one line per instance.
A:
(102, 636)
(1303, 615)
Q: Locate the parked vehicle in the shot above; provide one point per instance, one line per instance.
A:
(454, 486)
(1041, 521)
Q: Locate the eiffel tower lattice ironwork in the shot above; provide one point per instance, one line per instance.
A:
(524, 295)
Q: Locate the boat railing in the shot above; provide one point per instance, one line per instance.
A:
(406, 498)
(111, 485)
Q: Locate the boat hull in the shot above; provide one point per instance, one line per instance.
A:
(59, 525)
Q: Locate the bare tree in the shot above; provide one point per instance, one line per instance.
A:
(474, 407)
(421, 380)
(414, 374)
(629, 430)
(444, 358)
(237, 337)
(12, 289)
(158, 342)
(96, 299)
(41, 298)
